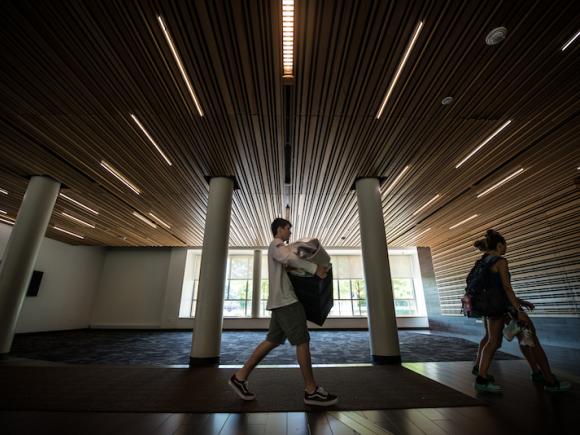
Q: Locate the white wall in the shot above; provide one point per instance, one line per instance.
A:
(131, 292)
(67, 290)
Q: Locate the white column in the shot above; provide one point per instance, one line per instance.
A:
(381, 307)
(257, 282)
(207, 331)
(22, 251)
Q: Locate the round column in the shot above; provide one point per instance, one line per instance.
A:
(22, 251)
(207, 332)
(384, 340)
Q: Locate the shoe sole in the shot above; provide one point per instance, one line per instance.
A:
(240, 395)
(489, 391)
(319, 403)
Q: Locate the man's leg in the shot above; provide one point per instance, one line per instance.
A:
(263, 349)
(305, 361)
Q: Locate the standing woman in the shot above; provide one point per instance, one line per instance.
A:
(499, 300)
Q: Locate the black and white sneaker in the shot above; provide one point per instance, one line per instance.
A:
(241, 388)
(320, 397)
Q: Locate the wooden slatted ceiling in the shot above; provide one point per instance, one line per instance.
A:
(72, 72)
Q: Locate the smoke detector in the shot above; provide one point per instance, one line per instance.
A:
(496, 36)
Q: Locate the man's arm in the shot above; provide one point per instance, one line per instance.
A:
(283, 254)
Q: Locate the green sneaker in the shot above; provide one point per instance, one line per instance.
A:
(538, 378)
(488, 387)
(558, 387)
(475, 372)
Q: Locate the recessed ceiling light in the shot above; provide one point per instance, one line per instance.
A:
(505, 180)
(400, 67)
(288, 38)
(144, 219)
(68, 232)
(120, 177)
(496, 36)
(463, 221)
(74, 201)
(481, 145)
(160, 221)
(150, 139)
(396, 180)
(4, 192)
(571, 40)
(431, 201)
(80, 221)
(447, 100)
(179, 64)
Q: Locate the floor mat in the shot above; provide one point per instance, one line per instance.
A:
(134, 389)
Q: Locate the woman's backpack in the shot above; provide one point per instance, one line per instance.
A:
(482, 297)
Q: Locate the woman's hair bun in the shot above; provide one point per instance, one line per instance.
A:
(481, 245)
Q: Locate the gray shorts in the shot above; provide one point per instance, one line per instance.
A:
(288, 322)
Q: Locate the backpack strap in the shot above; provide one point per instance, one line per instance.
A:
(490, 260)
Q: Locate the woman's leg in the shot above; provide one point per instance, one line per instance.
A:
(542, 360)
(481, 344)
(530, 357)
(494, 331)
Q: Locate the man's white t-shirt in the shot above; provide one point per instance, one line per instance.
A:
(281, 291)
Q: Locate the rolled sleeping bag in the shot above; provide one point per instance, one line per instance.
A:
(311, 250)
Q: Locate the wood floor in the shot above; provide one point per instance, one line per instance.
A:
(523, 408)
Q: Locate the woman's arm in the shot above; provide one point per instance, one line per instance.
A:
(502, 268)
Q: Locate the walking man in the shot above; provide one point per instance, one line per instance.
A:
(288, 319)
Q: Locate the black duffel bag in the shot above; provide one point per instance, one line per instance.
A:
(315, 294)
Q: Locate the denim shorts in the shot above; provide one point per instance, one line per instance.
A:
(288, 322)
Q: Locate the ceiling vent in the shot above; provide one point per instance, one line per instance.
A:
(496, 36)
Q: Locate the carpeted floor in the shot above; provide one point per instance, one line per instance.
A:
(133, 389)
(173, 347)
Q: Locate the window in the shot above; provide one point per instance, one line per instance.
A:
(238, 291)
(264, 288)
(403, 281)
(190, 283)
(349, 287)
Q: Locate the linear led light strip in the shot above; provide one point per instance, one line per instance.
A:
(7, 220)
(422, 232)
(432, 200)
(78, 220)
(481, 145)
(2, 212)
(505, 180)
(144, 219)
(288, 37)
(150, 139)
(160, 221)
(463, 221)
(5, 192)
(74, 201)
(120, 177)
(68, 232)
(179, 64)
(396, 180)
(400, 67)
(570, 41)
